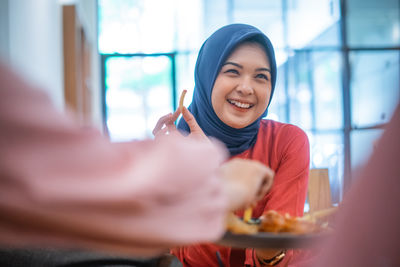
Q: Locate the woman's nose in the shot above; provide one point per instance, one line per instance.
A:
(245, 87)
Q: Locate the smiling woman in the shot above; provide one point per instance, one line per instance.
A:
(235, 78)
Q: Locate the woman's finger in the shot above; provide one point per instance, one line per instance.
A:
(191, 121)
(169, 129)
(170, 119)
(175, 115)
(161, 132)
(160, 123)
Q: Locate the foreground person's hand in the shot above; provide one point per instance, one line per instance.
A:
(245, 181)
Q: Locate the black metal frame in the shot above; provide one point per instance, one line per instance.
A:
(346, 96)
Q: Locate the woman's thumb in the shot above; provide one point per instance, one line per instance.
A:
(190, 120)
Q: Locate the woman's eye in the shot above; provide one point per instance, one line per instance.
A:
(262, 76)
(231, 71)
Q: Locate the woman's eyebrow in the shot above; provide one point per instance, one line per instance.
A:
(240, 66)
(232, 63)
(263, 69)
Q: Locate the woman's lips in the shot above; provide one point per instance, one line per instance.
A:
(240, 104)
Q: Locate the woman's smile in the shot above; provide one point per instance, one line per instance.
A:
(241, 105)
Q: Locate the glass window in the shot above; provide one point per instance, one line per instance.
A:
(327, 89)
(329, 37)
(138, 93)
(188, 24)
(300, 93)
(265, 15)
(185, 64)
(362, 145)
(375, 86)
(373, 23)
(215, 16)
(277, 110)
(149, 26)
(310, 20)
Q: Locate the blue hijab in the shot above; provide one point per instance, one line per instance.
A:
(213, 53)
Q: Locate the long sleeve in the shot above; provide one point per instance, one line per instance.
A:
(289, 157)
(288, 193)
(63, 185)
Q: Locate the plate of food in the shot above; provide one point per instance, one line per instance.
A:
(276, 231)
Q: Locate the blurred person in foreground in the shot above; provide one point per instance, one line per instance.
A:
(367, 231)
(61, 185)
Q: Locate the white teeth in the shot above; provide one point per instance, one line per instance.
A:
(239, 104)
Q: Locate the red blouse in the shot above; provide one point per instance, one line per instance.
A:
(285, 149)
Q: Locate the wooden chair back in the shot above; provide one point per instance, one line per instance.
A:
(319, 191)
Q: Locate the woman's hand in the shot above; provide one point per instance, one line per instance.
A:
(166, 125)
(246, 181)
(195, 130)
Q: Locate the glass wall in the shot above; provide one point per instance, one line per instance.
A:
(372, 23)
(338, 67)
(373, 42)
(138, 91)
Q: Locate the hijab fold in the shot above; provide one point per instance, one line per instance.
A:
(213, 53)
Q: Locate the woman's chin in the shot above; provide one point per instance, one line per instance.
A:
(238, 124)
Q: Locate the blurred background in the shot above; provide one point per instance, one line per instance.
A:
(121, 64)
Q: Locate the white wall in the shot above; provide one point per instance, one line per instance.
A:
(35, 44)
(31, 41)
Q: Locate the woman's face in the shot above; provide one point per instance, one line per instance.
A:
(242, 89)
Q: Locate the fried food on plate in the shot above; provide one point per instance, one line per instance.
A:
(235, 225)
(273, 222)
